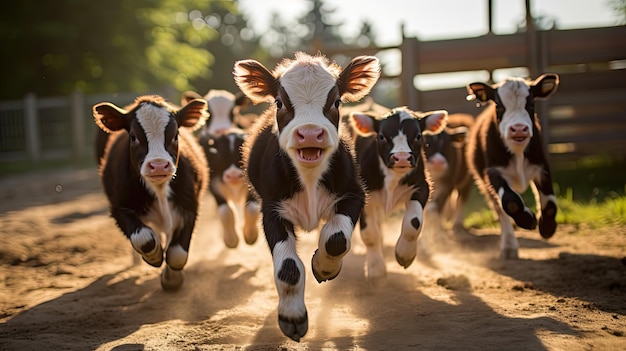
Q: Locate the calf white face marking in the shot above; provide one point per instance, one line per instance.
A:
(516, 125)
(221, 104)
(310, 137)
(158, 166)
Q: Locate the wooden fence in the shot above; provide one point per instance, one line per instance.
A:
(587, 115)
(52, 128)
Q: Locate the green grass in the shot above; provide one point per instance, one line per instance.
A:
(590, 192)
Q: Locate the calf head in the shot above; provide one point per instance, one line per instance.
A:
(399, 134)
(223, 154)
(152, 126)
(515, 106)
(447, 146)
(307, 93)
(223, 108)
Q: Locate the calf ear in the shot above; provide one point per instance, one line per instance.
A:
(480, 92)
(358, 78)
(188, 96)
(363, 123)
(255, 81)
(193, 115)
(109, 117)
(433, 122)
(457, 135)
(545, 85)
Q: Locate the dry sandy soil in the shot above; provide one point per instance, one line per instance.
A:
(68, 282)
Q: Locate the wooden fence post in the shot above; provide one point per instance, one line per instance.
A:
(408, 93)
(78, 124)
(31, 127)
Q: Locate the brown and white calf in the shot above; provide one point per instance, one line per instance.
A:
(154, 174)
(302, 167)
(506, 154)
(389, 151)
(447, 165)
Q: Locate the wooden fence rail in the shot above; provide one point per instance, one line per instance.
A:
(587, 115)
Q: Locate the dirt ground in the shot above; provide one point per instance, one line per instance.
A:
(68, 282)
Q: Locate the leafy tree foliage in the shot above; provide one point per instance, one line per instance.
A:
(55, 47)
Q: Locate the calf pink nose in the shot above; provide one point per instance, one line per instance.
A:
(231, 176)
(401, 157)
(158, 167)
(437, 162)
(520, 130)
(315, 135)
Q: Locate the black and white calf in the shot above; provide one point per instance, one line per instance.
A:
(303, 169)
(228, 186)
(506, 155)
(389, 151)
(447, 165)
(221, 138)
(154, 174)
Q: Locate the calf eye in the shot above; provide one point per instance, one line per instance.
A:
(133, 138)
(279, 104)
(337, 103)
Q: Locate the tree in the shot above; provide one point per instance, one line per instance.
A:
(55, 47)
(619, 7)
(235, 41)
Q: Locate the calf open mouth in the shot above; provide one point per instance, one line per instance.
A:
(309, 154)
(158, 178)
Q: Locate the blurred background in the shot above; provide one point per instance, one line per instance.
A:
(62, 57)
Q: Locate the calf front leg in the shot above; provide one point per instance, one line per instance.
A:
(177, 253)
(334, 242)
(228, 221)
(142, 238)
(511, 202)
(250, 217)
(546, 200)
(371, 235)
(406, 246)
(289, 274)
(335, 237)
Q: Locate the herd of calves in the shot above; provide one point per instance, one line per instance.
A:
(305, 164)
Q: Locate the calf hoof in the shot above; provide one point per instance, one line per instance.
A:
(231, 240)
(322, 275)
(154, 259)
(547, 222)
(513, 205)
(147, 244)
(294, 328)
(509, 254)
(250, 234)
(171, 279)
(405, 262)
